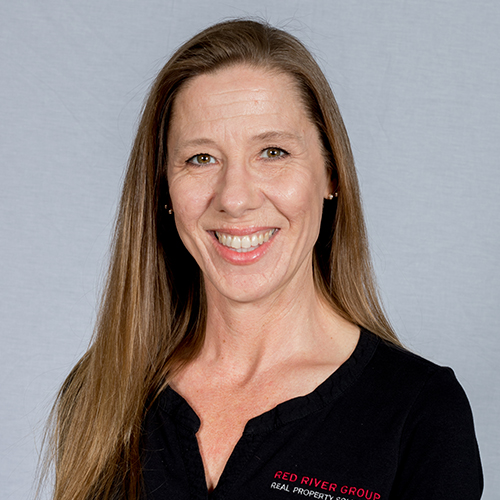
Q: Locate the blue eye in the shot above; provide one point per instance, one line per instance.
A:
(273, 153)
(201, 159)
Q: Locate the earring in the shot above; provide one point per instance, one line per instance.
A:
(170, 211)
(332, 196)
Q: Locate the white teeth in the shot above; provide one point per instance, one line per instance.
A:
(245, 243)
(235, 242)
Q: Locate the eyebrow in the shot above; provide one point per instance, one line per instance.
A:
(276, 134)
(264, 136)
(202, 141)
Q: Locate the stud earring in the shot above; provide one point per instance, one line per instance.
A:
(170, 211)
(332, 196)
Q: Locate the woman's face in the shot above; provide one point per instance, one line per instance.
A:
(247, 180)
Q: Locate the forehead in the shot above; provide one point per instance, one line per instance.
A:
(241, 77)
(239, 93)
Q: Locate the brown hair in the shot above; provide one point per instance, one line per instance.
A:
(153, 310)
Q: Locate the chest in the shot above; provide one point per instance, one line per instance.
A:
(225, 409)
(223, 419)
(329, 451)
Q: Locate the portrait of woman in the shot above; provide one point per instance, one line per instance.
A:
(241, 349)
(249, 250)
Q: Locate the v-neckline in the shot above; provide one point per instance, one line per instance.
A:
(293, 409)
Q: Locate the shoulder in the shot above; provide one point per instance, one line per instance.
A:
(405, 387)
(438, 452)
(418, 394)
(402, 372)
(430, 387)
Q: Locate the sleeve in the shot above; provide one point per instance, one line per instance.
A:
(439, 456)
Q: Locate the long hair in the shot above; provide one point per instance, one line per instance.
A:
(153, 310)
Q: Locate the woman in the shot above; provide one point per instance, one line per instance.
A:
(241, 350)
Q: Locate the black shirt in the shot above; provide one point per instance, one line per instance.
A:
(386, 425)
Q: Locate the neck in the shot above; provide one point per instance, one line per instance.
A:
(243, 339)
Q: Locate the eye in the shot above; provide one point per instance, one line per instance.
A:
(273, 153)
(201, 159)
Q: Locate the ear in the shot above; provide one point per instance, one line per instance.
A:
(332, 186)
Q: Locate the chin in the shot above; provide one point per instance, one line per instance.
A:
(245, 289)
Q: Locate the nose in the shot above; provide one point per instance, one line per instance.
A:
(237, 191)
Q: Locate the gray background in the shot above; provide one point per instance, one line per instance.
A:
(418, 82)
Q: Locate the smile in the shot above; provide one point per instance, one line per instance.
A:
(247, 243)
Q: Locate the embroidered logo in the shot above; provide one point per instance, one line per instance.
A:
(319, 488)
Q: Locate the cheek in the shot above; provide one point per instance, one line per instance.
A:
(301, 199)
(187, 216)
(190, 199)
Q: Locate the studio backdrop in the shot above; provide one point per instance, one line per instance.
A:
(418, 84)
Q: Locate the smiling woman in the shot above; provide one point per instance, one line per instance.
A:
(241, 350)
(261, 173)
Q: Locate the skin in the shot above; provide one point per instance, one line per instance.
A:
(245, 158)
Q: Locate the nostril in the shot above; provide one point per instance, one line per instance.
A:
(237, 193)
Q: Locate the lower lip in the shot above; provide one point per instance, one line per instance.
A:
(243, 258)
